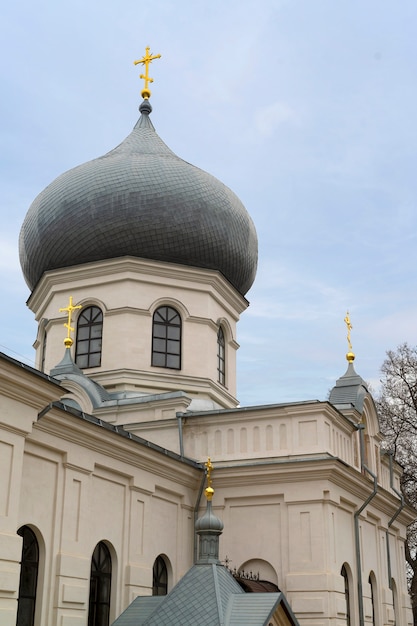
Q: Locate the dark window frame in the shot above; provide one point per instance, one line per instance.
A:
(100, 586)
(159, 577)
(89, 341)
(344, 573)
(28, 583)
(221, 357)
(166, 338)
(373, 599)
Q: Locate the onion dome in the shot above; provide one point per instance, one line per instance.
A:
(209, 527)
(141, 200)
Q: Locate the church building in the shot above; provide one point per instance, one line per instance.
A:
(142, 262)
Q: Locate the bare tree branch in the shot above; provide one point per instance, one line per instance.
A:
(397, 409)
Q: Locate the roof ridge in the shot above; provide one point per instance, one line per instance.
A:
(218, 595)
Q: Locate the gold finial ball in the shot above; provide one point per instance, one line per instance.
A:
(350, 357)
(209, 491)
(68, 342)
(146, 94)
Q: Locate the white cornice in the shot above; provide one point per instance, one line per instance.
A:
(66, 427)
(136, 269)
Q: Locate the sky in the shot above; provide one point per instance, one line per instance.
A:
(306, 109)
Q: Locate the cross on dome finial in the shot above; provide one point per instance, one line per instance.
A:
(69, 309)
(146, 60)
(209, 491)
(350, 355)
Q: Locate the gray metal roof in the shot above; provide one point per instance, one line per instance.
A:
(139, 200)
(350, 389)
(139, 610)
(207, 595)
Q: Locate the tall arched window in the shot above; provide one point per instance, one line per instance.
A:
(166, 338)
(89, 336)
(159, 577)
(221, 357)
(371, 581)
(395, 602)
(100, 586)
(29, 566)
(344, 573)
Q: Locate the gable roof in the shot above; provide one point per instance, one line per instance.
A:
(207, 595)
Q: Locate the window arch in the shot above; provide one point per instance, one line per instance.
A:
(395, 601)
(159, 577)
(221, 357)
(100, 586)
(29, 566)
(374, 606)
(89, 337)
(166, 338)
(41, 343)
(344, 573)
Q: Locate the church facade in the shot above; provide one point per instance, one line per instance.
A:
(103, 444)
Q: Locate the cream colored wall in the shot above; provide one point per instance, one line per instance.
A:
(129, 290)
(76, 484)
(259, 433)
(22, 396)
(300, 520)
(80, 487)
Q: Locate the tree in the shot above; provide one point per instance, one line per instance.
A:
(397, 408)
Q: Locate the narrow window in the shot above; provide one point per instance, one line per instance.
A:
(371, 583)
(29, 566)
(221, 357)
(160, 578)
(89, 336)
(100, 586)
(44, 340)
(347, 594)
(166, 338)
(394, 601)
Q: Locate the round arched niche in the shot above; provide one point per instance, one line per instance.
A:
(261, 567)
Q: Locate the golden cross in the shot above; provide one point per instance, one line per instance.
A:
(69, 309)
(146, 60)
(209, 467)
(209, 491)
(349, 328)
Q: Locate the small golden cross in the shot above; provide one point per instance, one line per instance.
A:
(349, 328)
(69, 309)
(209, 467)
(209, 491)
(146, 60)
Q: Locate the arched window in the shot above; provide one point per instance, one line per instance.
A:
(43, 353)
(159, 578)
(395, 601)
(371, 581)
(29, 566)
(221, 357)
(100, 586)
(89, 335)
(344, 573)
(166, 338)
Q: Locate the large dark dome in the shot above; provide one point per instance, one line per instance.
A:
(139, 200)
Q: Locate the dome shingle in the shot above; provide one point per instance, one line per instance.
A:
(142, 200)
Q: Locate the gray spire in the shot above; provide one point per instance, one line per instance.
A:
(209, 528)
(350, 389)
(66, 366)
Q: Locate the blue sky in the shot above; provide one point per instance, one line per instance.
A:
(306, 109)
